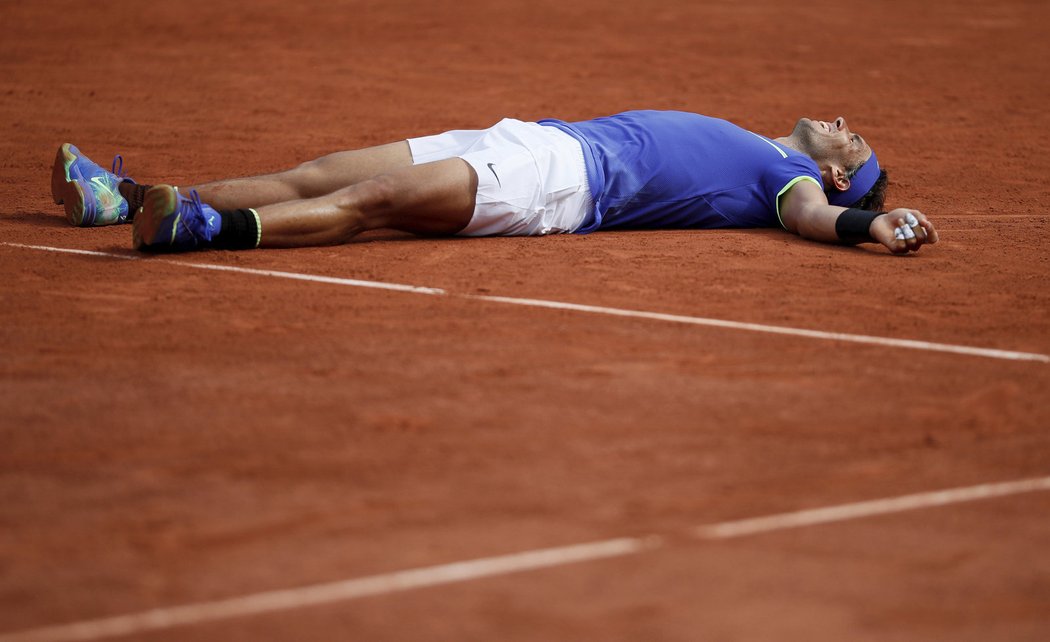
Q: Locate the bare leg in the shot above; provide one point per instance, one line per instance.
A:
(434, 198)
(307, 181)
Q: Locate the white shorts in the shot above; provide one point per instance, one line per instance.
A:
(532, 178)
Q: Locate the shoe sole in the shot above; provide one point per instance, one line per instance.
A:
(65, 190)
(60, 172)
(159, 201)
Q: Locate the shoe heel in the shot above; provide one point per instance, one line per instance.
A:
(60, 173)
(78, 211)
(158, 202)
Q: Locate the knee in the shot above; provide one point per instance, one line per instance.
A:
(377, 194)
(307, 179)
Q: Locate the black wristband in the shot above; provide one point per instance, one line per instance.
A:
(853, 226)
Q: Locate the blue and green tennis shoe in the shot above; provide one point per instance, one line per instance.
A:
(171, 222)
(90, 194)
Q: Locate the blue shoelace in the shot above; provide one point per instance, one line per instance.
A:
(199, 227)
(117, 168)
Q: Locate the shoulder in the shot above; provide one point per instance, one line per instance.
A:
(797, 199)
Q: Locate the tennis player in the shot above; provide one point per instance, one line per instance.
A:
(638, 169)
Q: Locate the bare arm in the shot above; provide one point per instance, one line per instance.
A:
(804, 210)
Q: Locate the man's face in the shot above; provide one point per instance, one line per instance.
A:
(832, 142)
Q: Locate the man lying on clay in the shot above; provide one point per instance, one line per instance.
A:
(639, 169)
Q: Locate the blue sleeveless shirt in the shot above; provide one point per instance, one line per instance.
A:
(671, 169)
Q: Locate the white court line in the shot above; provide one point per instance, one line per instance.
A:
(775, 329)
(315, 278)
(295, 598)
(844, 512)
(963, 217)
(911, 344)
(388, 583)
(68, 250)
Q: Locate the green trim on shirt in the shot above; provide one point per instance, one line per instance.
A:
(789, 186)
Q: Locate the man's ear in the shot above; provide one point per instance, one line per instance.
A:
(839, 178)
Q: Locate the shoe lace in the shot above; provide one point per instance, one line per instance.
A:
(194, 218)
(118, 167)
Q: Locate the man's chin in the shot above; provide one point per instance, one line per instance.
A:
(804, 126)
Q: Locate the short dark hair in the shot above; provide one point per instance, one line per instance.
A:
(875, 199)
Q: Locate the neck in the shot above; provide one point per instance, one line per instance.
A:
(790, 141)
(793, 142)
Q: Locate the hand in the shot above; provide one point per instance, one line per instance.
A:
(903, 230)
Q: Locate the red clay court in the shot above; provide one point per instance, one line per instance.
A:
(541, 438)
